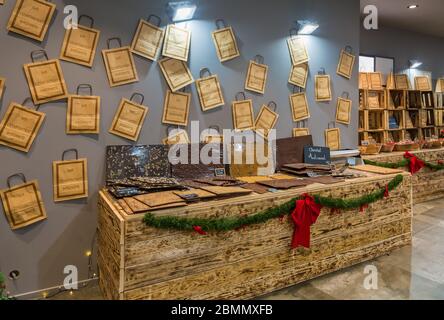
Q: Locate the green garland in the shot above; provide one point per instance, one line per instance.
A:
(227, 224)
(403, 163)
(3, 294)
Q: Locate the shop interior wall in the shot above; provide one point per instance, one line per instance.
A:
(40, 252)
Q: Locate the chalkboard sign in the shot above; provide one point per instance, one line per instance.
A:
(316, 155)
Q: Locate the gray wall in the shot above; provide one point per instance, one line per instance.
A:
(41, 251)
(403, 46)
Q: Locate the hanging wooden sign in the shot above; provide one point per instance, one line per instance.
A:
(31, 18)
(333, 138)
(80, 45)
(243, 118)
(225, 42)
(298, 75)
(180, 136)
(299, 106)
(214, 136)
(301, 132)
(402, 82)
(129, 118)
(375, 80)
(343, 109)
(346, 62)
(422, 83)
(176, 73)
(298, 50)
(148, 38)
(20, 126)
(363, 80)
(439, 86)
(23, 204)
(257, 75)
(45, 79)
(322, 87)
(83, 113)
(2, 86)
(70, 178)
(119, 64)
(177, 43)
(176, 108)
(267, 119)
(209, 91)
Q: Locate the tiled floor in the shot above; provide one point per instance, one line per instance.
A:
(415, 272)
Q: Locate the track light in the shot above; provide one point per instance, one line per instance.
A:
(414, 64)
(307, 27)
(181, 11)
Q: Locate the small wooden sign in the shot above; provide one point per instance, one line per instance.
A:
(243, 118)
(256, 77)
(2, 86)
(298, 75)
(422, 83)
(439, 86)
(209, 92)
(80, 45)
(316, 155)
(120, 67)
(177, 43)
(298, 50)
(20, 126)
(83, 115)
(266, 120)
(375, 80)
(128, 120)
(23, 205)
(343, 110)
(322, 88)
(148, 40)
(346, 64)
(301, 132)
(333, 138)
(363, 80)
(176, 109)
(180, 137)
(299, 106)
(402, 82)
(225, 43)
(176, 73)
(70, 179)
(46, 81)
(31, 18)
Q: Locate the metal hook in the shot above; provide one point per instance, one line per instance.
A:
(85, 85)
(346, 95)
(258, 59)
(330, 123)
(215, 127)
(33, 53)
(321, 71)
(138, 95)
(154, 16)
(70, 150)
(203, 71)
(170, 127)
(301, 124)
(244, 97)
(36, 107)
(297, 89)
(220, 22)
(19, 175)
(108, 42)
(272, 103)
(91, 20)
(293, 32)
(348, 49)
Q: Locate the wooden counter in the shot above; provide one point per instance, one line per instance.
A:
(140, 262)
(427, 184)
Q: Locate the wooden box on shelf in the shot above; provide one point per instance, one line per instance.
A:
(375, 99)
(396, 99)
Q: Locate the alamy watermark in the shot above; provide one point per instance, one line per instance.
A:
(371, 17)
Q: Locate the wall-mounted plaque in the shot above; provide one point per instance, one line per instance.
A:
(423, 83)
(267, 119)
(119, 64)
(23, 204)
(243, 118)
(176, 109)
(2, 86)
(301, 132)
(70, 178)
(177, 43)
(439, 86)
(209, 91)
(129, 119)
(333, 138)
(298, 50)
(256, 76)
(343, 110)
(31, 18)
(346, 63)
(322, 88)
(176, 73)
(402, 82)
(79, 45)
(20, 126)
(148, 38)
(298, 75)
(375, 80)
(299, 106)
(225, 42)
(83, 114)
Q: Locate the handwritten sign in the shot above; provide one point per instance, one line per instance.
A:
(316, 155)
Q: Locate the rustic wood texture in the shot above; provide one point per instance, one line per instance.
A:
(427, 184)
(150, 263)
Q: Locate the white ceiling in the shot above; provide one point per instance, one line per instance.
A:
(427, 19)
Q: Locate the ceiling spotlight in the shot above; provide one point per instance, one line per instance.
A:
(307, 27)
(413, 6)
(414, 64)
(181, 11)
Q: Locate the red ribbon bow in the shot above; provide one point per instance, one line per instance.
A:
(415, 163)
(304, 215)
(199, 230)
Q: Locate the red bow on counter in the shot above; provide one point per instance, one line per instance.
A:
(304, 215)
(415, 163)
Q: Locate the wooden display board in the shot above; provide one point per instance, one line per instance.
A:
(243, 116)
(299, 106)
(266, 120)
(177, 43)
(298, 50)
(148, 38)
(298, 75)
(83, 114)
(402, 82)
(176, 108)
(209, 91)
(225, 42)
(343, 110)
(119, 64)
(346, 63)
(322, 88)
(423, 83)
(176, 73)
(256, 79)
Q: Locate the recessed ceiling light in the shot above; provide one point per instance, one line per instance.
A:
(413, 6)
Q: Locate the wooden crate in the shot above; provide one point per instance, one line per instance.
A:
(376, 120)
(140, 262)
(375, 99)
(396, 99)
